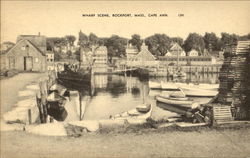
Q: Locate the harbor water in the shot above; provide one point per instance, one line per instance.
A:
(114, 94)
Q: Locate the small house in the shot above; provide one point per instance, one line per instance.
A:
(176, 50)
(100, 55)
(28, 54)
(143, 58)
(193, 53)
(131, 51)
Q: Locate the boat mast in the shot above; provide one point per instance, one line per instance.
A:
(177, 59)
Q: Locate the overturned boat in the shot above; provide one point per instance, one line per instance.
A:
(143, 111)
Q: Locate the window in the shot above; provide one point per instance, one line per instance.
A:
(23, 48)
(36, 60)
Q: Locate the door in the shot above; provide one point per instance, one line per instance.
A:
(28, 63)
(12, 63)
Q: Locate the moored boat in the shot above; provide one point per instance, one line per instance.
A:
(174, 97)
(200, 93)
(179, 102)
(180, 107)
(203, 86)
(140, 112)
(78, 78)
(169, 86)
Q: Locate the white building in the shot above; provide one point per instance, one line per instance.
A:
(193, 53)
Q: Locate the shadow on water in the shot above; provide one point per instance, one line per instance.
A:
(111, 94)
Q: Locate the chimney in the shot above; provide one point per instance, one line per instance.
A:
(39, 34)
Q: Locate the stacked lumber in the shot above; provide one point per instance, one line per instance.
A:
(234, 90)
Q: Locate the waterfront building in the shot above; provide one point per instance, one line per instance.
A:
(100, 55)
(193, 53)
(143, 59)
(50, 56)
(185, 60)
(131, 51)
(176, 50)
(86, 56)
(28, 54)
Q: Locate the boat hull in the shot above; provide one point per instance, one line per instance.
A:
(169, 86)
(177, 108)
(200, 93)
(138, 116)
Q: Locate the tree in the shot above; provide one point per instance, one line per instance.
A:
(93, 40)
(245, 37)
(227, 38)
(83, 40)
(57, 56)
(158, 44)
(70, 39)
(178, 40)
(117, 46)
(211, 41)
(194, 41)
(136, 41)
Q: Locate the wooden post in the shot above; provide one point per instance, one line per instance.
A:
(39, 105)
(51, 119)
(43, 91)
(29, 116)
(80, 101)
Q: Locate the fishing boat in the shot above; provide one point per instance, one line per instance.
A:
(169, 86)
(143, 111)
(78, 78)
(154, 85)
(200, 93)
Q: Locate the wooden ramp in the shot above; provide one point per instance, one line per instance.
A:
(222, 115)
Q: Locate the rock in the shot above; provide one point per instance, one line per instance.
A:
(165, 125)
(111, 123)
(136, 121)
(91, 126)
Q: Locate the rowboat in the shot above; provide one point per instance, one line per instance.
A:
(140, 112)
(200, 93)
(154, 85)
(180, 107)
(55, 104)
(169, 86)
(175, 101)
(173, 97)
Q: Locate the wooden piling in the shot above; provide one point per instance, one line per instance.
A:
(29, 116)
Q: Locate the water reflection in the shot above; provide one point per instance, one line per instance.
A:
(114, 94)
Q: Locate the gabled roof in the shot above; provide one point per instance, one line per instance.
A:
(144, 54)
(27, 42)
(176, 47)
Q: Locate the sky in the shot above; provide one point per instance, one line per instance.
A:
(60, 18)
